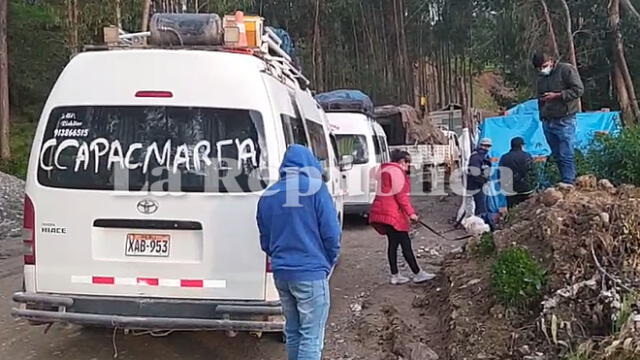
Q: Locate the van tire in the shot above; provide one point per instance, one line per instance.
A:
(282, 337)
(279, 337)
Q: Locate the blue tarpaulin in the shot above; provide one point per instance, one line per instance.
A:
(524, 121)
(527, 107)
(288, 45)
(344, 100)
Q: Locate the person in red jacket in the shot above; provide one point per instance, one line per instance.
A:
(391, 213)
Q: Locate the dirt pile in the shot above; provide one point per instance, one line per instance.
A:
(419, 130)
(588, 237)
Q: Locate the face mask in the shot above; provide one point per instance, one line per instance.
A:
(546, 71)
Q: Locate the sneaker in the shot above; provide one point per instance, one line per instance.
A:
(423, 276)
(565, 186)
(399, 279)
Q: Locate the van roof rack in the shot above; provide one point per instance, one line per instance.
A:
(345, 107)
(279, 63)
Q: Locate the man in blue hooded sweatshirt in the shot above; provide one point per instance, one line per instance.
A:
(300, 232)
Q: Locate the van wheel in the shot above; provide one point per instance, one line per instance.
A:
(279, 337)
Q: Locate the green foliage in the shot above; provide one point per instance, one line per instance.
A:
(357, 43)
(626, 310)
(612, 157)
(483, 99)
(37, 54)
(485, 247)
(517, 279)
(551, 173)
(615, 157)
(21, 139)
(505, 33)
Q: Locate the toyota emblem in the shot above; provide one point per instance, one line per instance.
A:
(147, 206)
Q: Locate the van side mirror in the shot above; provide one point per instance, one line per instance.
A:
(346, 162)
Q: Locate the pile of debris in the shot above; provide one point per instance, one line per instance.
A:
(417, 129)
(589, 239)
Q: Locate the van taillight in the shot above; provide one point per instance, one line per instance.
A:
(29, 238)
(269, 269)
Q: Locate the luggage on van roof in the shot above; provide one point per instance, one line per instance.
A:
(345, 100)
(287, 45)
(208, 32)
(186, 29)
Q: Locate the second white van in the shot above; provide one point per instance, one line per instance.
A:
(361, 137)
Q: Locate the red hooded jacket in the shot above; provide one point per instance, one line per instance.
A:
(392, 205)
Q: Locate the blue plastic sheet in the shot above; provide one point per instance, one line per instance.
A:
(287, 42)
(502, 129)
(343, 100)
(524, 121)
(527, 107)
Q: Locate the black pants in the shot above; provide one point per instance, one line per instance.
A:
(480, 199)
(400, 239)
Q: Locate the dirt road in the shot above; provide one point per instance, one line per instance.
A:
(368, 317)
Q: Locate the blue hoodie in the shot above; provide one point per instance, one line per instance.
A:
(303, 241)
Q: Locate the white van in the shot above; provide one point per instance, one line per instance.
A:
(360, 136)
(143, 183)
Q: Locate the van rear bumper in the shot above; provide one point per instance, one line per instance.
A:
(356, 208)
(149, 313)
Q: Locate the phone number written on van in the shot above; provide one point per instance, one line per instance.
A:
(71, 132)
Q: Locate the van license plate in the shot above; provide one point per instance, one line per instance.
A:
(147, 245)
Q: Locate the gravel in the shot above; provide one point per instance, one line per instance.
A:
(11, 203)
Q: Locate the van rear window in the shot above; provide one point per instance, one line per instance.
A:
(154, 148)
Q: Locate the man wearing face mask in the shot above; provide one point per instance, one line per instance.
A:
(478, 174)
(559, 89)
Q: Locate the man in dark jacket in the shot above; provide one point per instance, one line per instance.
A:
(300, 232)
(559, 89)
(478, 175)
(516, 168)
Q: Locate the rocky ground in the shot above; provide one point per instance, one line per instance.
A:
(11, 203)
(381, 321)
